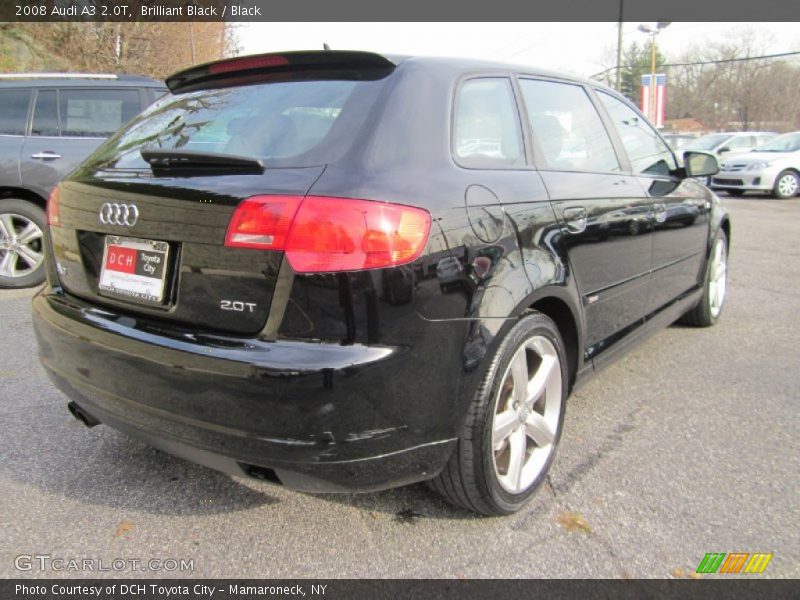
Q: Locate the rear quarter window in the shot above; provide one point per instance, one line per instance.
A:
(487, 132)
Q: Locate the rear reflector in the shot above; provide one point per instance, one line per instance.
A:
(321, 235)
(54, 208)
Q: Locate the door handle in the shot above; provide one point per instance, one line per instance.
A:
(575, 217)
(46, 155)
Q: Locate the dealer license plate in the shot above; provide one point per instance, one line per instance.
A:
(134, 268)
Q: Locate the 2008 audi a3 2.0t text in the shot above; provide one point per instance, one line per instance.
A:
(341, 271)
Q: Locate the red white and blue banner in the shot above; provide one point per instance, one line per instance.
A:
(654, 101)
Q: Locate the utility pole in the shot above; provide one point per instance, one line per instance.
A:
(191, 38)
(652, 32)
(618, 80)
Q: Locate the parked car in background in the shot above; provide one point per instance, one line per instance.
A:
(730, 143)
(725, 144)
(223, 273)
(772, 168)
(49, 123)
(677, 141)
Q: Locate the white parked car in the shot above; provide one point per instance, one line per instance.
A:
(727, 143)
(773, 168)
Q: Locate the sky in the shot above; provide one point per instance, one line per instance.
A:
(579, 48)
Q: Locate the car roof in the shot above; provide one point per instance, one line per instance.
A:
(447, 66)
(466, 65)
(76, 80)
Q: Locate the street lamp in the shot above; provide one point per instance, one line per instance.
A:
(653, 32)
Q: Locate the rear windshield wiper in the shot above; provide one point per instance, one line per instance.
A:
(192, 162)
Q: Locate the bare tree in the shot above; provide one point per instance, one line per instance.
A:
(154, 49)
(735, 89)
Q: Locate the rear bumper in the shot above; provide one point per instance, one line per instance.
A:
(313, 416)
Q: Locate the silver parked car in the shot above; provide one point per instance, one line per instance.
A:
(773, 168)
(49, 123)
(727, 143)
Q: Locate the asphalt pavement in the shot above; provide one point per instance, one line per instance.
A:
(688, 445)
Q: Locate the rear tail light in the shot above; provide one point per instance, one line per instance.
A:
(54, 208)
(322, 235)
(262, 222)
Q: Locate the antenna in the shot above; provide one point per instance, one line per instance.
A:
(325, 46)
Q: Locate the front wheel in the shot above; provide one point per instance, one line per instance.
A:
(513, 424)
(787, 185)
(21, 243)
(715, 288)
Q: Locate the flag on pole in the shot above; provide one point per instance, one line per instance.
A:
(654, 110)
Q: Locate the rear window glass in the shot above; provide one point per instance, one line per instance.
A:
(297, 123)
(14, 111)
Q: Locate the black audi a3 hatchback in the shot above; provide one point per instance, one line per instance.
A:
(339, 271)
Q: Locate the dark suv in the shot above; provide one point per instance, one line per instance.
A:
(49, 123)
(340, 271)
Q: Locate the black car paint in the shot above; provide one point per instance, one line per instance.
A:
(361, 380)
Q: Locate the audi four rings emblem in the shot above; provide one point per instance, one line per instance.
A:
(112, 213)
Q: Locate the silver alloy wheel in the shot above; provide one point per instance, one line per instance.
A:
(717, 280)
(20, 246)
(526, 415)
(787, 185)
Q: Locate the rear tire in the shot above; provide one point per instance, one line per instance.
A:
(709, 308)
(787, 184)
(513, 425)
(22, 226)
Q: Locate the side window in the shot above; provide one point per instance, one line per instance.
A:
(14, 111)
(763, 139)
(567, 128)
(96, 113)
(741, 142)
(487, 130)
(647, 153)
(45, 114)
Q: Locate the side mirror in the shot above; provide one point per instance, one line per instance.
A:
(723, 150)
(700, 164)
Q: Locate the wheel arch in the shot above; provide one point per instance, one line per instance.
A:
(725, 225)
(789, 169)
(23, 194)
(561, 310)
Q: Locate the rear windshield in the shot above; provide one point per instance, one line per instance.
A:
(295, 124)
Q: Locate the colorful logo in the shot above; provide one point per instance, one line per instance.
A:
(735, 562)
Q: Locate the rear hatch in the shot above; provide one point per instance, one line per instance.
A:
(141, 227)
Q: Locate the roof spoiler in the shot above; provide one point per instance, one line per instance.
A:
(242, 68)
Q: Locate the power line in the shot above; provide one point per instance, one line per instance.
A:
(710, 62)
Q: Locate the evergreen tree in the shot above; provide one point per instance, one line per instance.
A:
(637, 61)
